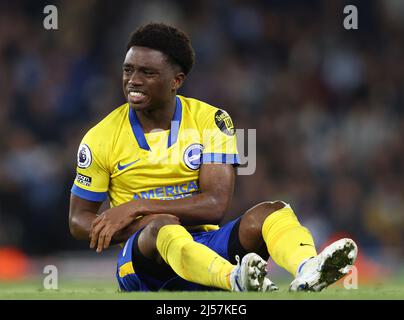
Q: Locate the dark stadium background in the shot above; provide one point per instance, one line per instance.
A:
(327, 104)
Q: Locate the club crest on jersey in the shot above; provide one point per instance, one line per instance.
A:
(192, 156)
(224, 122)
(84, 157)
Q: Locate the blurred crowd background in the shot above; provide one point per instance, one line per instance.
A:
(327, 104)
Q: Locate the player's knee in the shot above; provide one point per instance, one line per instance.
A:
(270, 207)
(264, 209)
(255, 217)
(154, 226)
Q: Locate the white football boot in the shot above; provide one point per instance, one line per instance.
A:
(334, 262)
(250, 275)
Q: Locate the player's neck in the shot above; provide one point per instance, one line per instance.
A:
(156, 118)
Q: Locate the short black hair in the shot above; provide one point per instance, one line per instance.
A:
(171, 41)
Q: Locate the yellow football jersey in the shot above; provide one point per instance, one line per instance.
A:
(117, 159)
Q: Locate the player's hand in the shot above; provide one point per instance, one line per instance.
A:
(107, 224)
(139, 223)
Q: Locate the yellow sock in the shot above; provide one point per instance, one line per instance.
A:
(193, 261)
(288, 242)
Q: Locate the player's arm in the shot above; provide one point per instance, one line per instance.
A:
(90, 188)
(216, 189)
(83, 212)
(81, 215)
(216, 185)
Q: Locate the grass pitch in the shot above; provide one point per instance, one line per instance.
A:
(392, 289)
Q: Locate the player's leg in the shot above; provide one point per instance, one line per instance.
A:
(164, 239)
(249, 274)
(291, 245)
(196, 262)
(143, 272)
(274, 225)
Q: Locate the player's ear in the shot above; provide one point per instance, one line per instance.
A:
(178, 81)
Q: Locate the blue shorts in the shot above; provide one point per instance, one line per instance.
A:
(143, 274)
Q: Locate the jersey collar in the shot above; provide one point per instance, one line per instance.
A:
(175, 127)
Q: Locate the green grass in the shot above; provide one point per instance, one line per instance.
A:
(101, 290)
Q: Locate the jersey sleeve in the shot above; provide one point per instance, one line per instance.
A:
(219, 138)
(92, 174)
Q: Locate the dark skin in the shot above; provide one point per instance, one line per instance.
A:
(150, 72)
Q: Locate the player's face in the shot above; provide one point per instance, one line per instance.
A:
(150, 81)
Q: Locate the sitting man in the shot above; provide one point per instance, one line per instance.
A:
(167, 164)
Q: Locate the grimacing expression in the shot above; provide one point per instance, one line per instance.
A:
(149, 79)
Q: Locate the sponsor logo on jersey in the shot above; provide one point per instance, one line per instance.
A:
(124, 166)
(84, 157)
(172, 192)
(192, 156)
(224, 122)
(84, 180)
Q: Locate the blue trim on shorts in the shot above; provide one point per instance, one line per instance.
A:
(130, 282)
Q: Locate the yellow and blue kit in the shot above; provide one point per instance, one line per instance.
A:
(117, 160)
